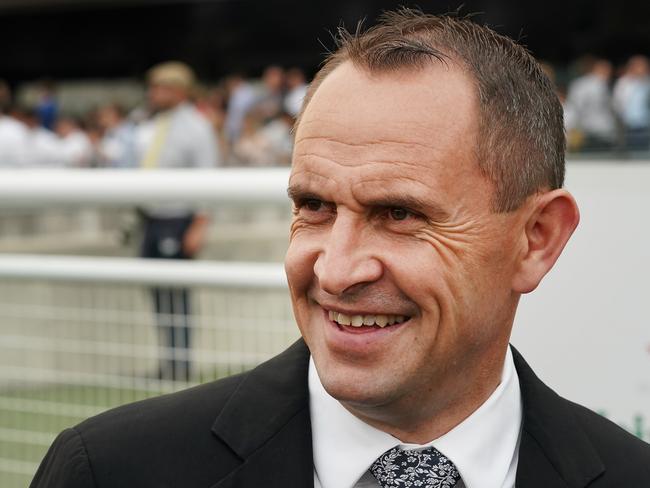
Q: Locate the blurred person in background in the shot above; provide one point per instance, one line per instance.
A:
(47, 108)
(95, 134)
(75, 149)
(248, 149)
(211, 103)
(265, 137)
(5, 96)
(265, 144)
(278, 137)
(116, 147)
(175, 136)
(296, 90)
(241, 99)
(43, 145)
(13, 133)
(574, 136)
(271, 93)
(632, 102)
(589, 100)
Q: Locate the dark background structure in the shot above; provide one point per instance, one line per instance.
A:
(118, 38)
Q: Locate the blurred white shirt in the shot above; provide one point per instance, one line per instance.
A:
(13, 142)
(177, 138)
(75, 149)
(187, 141)
(632, 101)
(242, 100)
(293, 100)
(44, 149)
(117, 147)
(590, 100)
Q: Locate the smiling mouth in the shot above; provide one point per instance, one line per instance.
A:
(379, 320)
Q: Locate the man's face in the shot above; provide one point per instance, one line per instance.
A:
(162, 96)
(393, 222)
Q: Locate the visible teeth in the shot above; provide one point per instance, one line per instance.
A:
(344, 319)
(360, 320)
(357, 321)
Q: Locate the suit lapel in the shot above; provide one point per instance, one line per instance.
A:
(554, 450)
(266, 423)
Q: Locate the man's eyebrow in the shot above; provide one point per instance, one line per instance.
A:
(299, 192)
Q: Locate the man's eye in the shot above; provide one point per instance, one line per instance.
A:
(313, 205)
(398, 213)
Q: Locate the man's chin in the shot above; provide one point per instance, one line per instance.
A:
(357, 388)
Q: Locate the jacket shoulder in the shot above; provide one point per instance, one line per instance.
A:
(194, 438)
(160, 442)
(572, 444)
(622, 452)
(197, 405)
(65, 465)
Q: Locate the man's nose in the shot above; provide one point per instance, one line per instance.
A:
(346, 258)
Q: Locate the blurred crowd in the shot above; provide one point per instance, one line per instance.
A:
(607, 108)
(238, 122)
(242, 121)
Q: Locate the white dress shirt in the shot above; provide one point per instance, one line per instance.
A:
(484, 447)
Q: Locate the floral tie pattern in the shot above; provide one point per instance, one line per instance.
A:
(426, 468)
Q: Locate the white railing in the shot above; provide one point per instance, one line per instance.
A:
(121, 187)
(142, 271)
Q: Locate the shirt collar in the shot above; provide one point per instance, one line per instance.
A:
(483, 446)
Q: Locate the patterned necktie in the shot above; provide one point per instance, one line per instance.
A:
(426, 468)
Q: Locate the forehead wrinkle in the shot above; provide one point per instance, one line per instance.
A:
(355, 162)
(310, 176)
(390, 152)
(339, 161)
(372, 150)
(358, 163)
(367, 142)
(386, 180)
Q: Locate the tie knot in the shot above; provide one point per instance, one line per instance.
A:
(424, 468)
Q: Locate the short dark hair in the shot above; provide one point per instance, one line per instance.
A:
(521, 142)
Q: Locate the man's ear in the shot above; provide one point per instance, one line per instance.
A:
(551, 222)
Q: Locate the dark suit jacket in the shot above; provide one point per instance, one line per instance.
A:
(253, 430)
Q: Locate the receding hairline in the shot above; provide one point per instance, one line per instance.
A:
(448, 61)
(521, 141)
